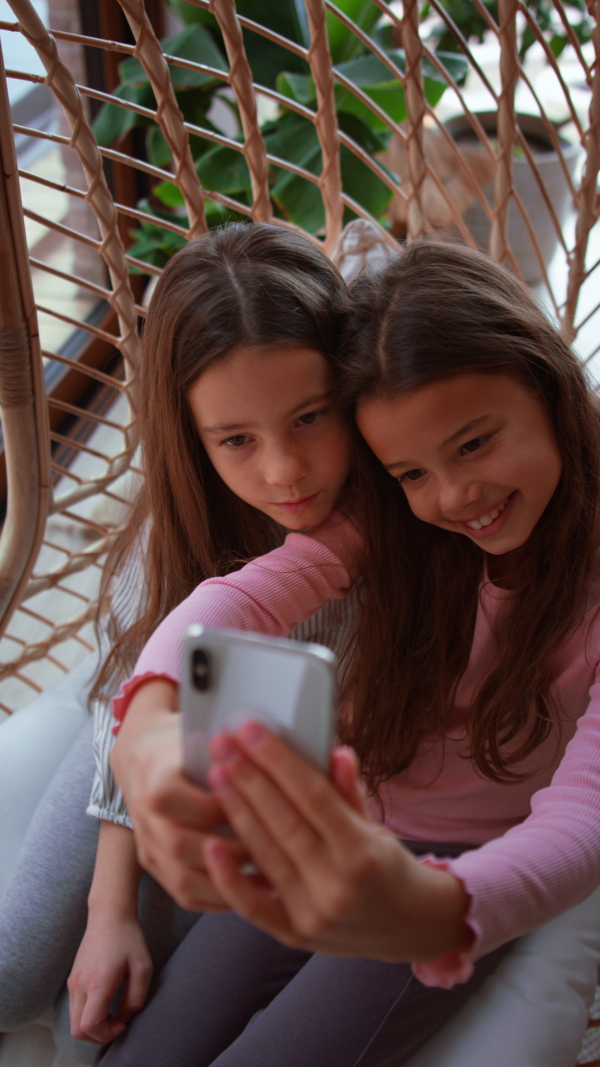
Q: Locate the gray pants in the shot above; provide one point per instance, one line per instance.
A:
(43, 912)
(231, 996)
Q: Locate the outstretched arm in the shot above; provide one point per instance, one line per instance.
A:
(269, 595)
(171, 814)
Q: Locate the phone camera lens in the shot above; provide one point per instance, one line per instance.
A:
(200, 669)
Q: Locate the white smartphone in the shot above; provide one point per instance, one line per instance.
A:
(230, 677)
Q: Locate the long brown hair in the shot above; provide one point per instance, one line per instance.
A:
(436, 311)
(250, 285)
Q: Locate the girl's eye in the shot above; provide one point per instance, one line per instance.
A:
(237, 441)
(310, 418)
(411, 476)
(474, 445)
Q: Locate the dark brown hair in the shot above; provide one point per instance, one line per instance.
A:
(251, 285)
(436, 311)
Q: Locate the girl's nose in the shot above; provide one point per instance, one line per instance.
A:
(456, 495)
(284, 467)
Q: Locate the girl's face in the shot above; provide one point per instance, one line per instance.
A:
(475, 454)
(271, 429)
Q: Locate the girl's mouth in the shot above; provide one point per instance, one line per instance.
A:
(296, 507)
(491, 522)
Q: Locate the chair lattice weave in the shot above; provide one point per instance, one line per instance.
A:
(418, 127)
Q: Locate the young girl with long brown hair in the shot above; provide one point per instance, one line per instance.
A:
(475, 717)
(242, 441)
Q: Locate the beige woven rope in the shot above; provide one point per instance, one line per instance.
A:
(509, 69)
(60, 80)
(24, 422)
(587, 197)
(330, 183)
(415, 106)
(240, 79)
(169, 117)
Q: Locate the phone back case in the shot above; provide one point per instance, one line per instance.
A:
(230, 677)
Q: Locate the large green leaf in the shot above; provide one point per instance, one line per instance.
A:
(194, 43)
(299, 87)
(362, 185)
(362, 133)
(266, 58)
(369, 70)
(190, 15)
(169, 194)
(294, 138)
(343, 43)
(155, 245)
(370, 74)
(286, 17)
(301, 202)
(224, 170)
(113, 122)
(157, 149)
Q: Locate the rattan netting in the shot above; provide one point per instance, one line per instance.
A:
(444, 166)
(65, 235)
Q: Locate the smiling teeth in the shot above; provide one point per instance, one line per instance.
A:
(486, 520)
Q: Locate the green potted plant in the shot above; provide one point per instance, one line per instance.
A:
(287, 135)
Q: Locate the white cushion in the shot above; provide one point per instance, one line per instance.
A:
(33, 743)
(532, 1011)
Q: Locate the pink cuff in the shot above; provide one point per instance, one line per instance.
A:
(456, 967)
(121, 702)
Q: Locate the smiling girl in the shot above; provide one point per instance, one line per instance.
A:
(476, 712)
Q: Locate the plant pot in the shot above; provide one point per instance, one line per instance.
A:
(552, 175)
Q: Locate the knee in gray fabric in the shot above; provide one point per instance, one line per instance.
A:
(19, 1004)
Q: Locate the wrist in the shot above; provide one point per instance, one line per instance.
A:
(149, 719)
(111, 907)
(439, 909)
(114, 889)
(131, 694)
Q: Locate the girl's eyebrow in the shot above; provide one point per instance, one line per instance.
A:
(465, 429)
(318, 398)
(237, 427)
(459, 433)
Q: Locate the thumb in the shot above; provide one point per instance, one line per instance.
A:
(345, 778)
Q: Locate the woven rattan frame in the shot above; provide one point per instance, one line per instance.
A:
(421, 152)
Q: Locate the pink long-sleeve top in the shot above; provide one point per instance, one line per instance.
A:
(539, 839)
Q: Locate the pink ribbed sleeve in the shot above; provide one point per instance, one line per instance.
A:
(270, 595)
(536, 870)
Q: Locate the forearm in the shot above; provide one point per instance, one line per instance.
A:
(116, 875)
(170, 813)
(269, 595)
(148, 727)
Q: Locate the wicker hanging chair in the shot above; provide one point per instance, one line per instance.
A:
(69, 451)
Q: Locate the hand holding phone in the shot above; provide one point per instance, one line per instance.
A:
(230, 677)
